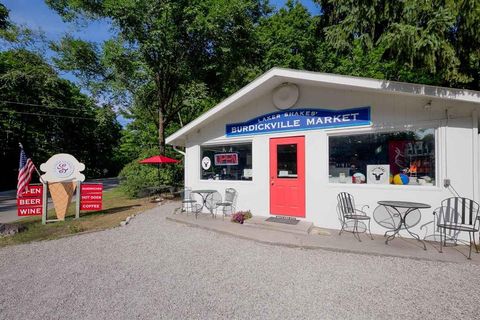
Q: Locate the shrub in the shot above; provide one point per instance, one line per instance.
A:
(135, 177)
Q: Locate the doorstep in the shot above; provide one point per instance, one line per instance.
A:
(302, 227)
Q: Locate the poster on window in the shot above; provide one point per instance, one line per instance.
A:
(226, 159)
(378, 174)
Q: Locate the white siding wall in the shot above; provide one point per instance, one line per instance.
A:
(456, 144)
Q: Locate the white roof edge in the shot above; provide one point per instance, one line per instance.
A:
(335, 79)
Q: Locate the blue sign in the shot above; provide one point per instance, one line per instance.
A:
(301, 119)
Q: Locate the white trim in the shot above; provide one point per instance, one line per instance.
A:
(327, 80)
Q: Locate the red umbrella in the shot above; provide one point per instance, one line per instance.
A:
(158, 160)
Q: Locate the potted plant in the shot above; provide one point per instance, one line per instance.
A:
(241, 216)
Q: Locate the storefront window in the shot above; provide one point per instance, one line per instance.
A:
(401, 158)
(226, 162)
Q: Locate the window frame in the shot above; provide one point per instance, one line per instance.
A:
(373, 130)
(219, 144)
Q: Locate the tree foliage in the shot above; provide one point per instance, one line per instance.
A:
(427, 41)
(164, 50)
(48, 115)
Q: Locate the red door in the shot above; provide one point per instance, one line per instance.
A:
(287, 176)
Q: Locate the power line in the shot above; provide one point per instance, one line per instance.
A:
(39, 105)
(48, 115)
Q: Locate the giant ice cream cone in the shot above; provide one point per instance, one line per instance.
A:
(61, 193)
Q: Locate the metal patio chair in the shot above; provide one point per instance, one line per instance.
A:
(348, 213)
(229, 202)
(212, 201)
(432, 230)
(458, 214)
(189, 204)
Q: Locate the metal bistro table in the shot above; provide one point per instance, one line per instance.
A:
(409, 206)
(205, 194)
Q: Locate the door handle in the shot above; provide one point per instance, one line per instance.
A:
(272, 182)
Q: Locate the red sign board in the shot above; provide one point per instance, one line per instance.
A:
(30, 202)
(226, 159)
(91, 196)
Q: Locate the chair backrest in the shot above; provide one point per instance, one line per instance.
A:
(346, 203)
(458, 210)
(231, 195)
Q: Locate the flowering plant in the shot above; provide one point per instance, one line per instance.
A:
(241, 216)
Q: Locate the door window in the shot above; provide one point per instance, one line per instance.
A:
(287, 161)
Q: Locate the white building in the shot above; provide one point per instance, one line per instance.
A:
(291, 140)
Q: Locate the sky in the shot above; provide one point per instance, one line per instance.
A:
(36, 15)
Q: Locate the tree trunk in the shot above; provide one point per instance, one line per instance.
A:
(161, 131)
(161, 114)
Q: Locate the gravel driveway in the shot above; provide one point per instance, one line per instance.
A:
(158, 269)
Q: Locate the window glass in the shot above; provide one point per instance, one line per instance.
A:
(402, 157)
(226, 162)
(287, 161)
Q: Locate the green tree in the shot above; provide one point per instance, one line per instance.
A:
(4, 23)
(287, 38)
(48, 115)
(164, 51)
(420, 41)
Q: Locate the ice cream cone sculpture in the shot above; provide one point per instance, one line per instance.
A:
(61, 193)
(62, 173)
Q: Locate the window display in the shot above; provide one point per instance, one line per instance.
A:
(226, 162)
(401, 157)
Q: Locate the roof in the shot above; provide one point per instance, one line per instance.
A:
(276, 76)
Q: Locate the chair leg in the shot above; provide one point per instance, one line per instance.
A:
(470, 246)
(441, 240)
(474, 243)
(355, 231)
(369, 231)
(341, 229)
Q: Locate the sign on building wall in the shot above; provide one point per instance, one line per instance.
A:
(378, 174)
(91, 196)
(301, 119)
(226, 159)
(30, 202)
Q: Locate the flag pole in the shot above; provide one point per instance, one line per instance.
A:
(36, 170)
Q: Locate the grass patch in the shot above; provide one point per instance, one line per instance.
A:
(116, 207)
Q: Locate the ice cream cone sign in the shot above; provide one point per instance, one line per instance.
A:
(62, 172)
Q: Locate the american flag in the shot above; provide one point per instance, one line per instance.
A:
(24, 173)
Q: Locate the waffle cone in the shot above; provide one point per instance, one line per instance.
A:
(61, 193)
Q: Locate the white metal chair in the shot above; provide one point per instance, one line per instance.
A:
(229, 203)
(211, 203)
(458, 214)
(349, 213)
(188, 202)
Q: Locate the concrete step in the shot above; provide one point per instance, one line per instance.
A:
(302, 227)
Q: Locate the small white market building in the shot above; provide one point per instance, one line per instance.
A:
(291, 140)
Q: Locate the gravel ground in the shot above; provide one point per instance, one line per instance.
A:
(158, 269)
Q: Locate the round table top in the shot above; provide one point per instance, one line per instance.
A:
(204, 191)
(404, 204)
